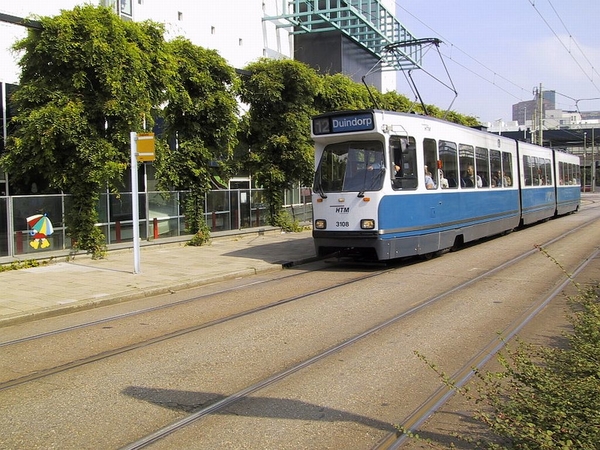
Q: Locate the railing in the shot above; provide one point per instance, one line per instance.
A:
(160, 214)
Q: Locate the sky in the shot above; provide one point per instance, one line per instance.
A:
(497, 52)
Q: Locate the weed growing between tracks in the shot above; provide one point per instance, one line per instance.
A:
(544, 397)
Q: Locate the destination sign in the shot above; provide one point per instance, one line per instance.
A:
(347, 123)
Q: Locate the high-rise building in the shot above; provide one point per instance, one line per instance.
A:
(525, 111)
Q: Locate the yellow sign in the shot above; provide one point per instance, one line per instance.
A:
(145, 147)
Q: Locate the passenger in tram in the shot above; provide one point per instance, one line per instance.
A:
(506, 181)
(469, 178)
(496, 179)
(429, 183)
(443, 181)
(452, 180)
(484, 182)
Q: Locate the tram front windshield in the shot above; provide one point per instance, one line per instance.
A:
(355, 166)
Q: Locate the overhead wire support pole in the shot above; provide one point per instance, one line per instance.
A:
(394, 50)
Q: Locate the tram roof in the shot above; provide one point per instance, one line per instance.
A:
(571, 137)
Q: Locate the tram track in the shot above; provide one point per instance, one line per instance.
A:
(437, 399)
(136, 312)
(461, 377)
(185, 301)
(39, 374)
(218, 404)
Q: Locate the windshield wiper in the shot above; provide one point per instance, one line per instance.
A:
(374, 182)
(319, 187)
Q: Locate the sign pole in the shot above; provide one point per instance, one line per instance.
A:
(135, 203)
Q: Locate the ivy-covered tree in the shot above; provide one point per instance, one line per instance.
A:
(339, 92)
(88, 79)
(200, 125)
(280, 95)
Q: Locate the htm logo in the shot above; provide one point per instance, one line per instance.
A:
(342, 209)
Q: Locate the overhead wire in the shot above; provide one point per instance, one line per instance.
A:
(496, 74)
(561, 41)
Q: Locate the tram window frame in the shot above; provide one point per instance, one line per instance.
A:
(482, 165)
(528, 166)
(561, 173)
(430, 158)
(466, 158)
(507, 170)
(538, 168)
(496, 168)
(548, 164)
(403, 153)
(448, 152)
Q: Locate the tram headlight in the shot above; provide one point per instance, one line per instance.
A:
(367, 224)
(320, 224)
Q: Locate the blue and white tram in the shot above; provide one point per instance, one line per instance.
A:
(389, 185)
(538, 194)
(568, 182)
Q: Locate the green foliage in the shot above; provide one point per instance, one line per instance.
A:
(192, 207)
(287, 223)
(88, 79)
(16, 265)
(82, 216)
(201, 117)
(281, 96)
(395, 102)
(547, 398)
(202, 104)
(340, 92)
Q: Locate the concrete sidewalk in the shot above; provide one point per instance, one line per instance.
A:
(63, 286)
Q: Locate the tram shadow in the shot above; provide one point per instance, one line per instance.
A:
(271, 408)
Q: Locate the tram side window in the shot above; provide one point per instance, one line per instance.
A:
(466, 158)
(528, 168)
(448, 171)
(403, 167)
(507, 170)
(430, 158)
(548, 169)
(538, 171)
(571, 174)
(496, 168)
(482, 165)
(561, 173)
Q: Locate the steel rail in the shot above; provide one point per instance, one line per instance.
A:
(475, 364)
(175, 334)
(182, 423)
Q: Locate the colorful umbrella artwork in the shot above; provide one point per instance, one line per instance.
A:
(41, 228)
